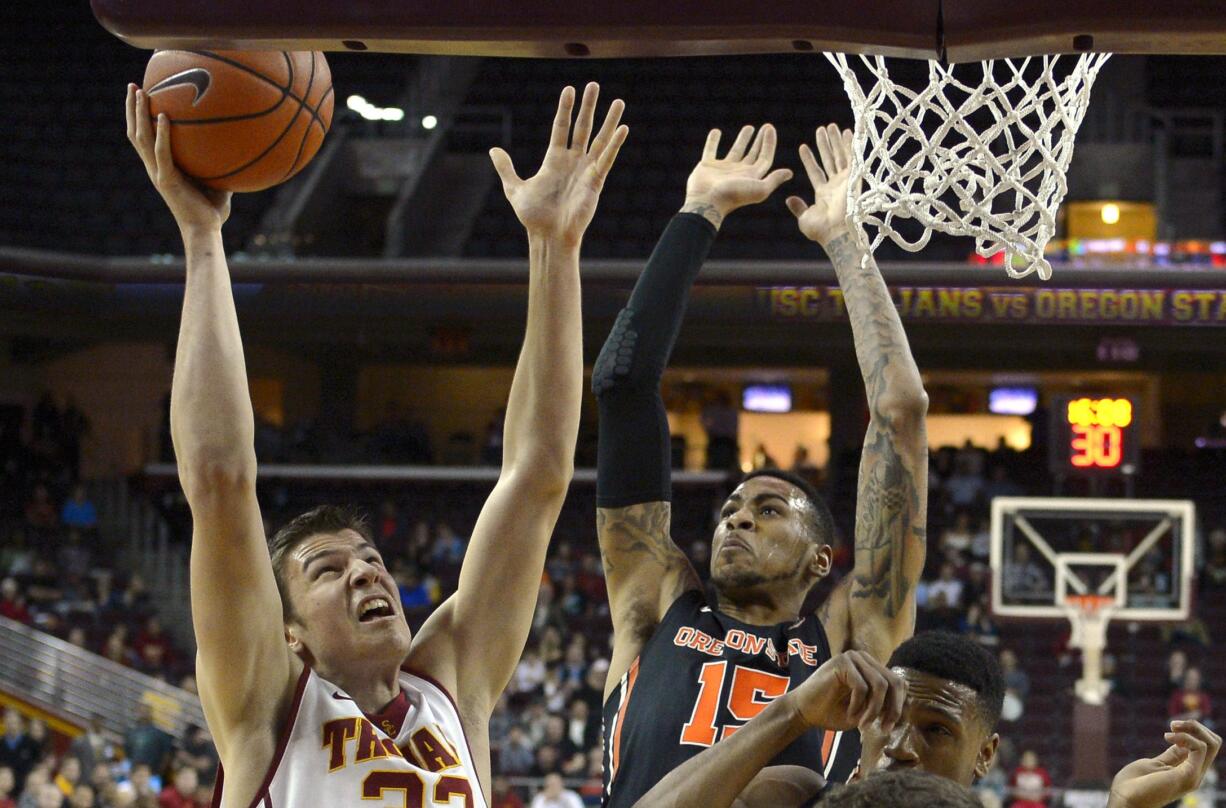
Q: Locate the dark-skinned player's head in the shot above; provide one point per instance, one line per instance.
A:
(902, 789)
(955, 689)
(339, 602)
(774, 535)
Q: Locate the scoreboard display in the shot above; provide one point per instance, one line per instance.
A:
(1094, 435)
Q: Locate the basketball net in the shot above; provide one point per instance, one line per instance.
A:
(1090, 615)
(985, 158)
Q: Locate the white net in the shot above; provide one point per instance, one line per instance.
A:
(980, 154)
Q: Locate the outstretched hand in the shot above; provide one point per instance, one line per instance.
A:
(560, 200)
(1155, 782)
(826, 218)
(193, 206)
(717, 186)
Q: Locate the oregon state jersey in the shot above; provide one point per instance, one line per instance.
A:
(699, 678)
(330, 754)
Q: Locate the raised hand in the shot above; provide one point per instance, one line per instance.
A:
(717, 186)
(193, 207)
(850, 690)
(559, 201)
(826, 218)
(1155, 782)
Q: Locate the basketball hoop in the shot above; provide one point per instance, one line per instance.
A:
(984, 158)
(1089, 615)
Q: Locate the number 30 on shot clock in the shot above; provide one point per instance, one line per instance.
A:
(1094, 435)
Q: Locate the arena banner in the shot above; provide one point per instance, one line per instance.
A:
(1010, 305)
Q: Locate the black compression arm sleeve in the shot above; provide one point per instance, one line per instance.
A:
(633, 453)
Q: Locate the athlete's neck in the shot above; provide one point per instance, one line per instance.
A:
(370, 693)
(758, 611)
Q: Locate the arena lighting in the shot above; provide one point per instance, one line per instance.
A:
(767, 398)
(1013, 400)
(372, 112)
(429, 122)
(1111, 213)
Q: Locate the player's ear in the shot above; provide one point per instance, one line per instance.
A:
(987, 754)
(293, 640)
(822, 561)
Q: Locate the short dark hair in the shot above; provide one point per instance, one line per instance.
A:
(323, 519)
(909, 788)
(958, 659)
(822, 522)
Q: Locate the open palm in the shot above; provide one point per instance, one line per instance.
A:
(560, 200)
(827, 216)
(741, 177)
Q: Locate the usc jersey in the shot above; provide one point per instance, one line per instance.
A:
(330, 754)
(699, 678)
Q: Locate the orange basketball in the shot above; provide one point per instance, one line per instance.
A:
(241, 120)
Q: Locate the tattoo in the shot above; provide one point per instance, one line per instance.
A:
(892, 495)
(639, 554)
(706, 211)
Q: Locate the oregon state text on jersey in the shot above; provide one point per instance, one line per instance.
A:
(330, 754)
(699, 678)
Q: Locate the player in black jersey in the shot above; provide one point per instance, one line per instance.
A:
(686, 673)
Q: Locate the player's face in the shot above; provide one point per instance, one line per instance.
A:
(763, 541)
(940, 732)
(346, 607)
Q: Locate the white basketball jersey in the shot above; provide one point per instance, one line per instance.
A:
(330, 755)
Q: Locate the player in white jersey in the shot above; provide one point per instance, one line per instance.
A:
(304, 654)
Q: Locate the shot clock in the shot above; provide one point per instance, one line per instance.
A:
(1094, 435)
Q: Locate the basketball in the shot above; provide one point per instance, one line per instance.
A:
(241, 120)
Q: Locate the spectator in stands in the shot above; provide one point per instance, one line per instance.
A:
(449, 546)
(145, 784)
(12, 604)
(146, 744)
(964, 488)
(958, 536)
(8, 787)
(199, 753)
(44, 748)
(17, 750)
(91, 747)
(1022, 577)
(999, 485)
(1176, 668)
(416, 592)
(389, 530)
(82, 797)
(978, 624)
(529, 673)
(79, 511)
(1190, 703)
(1214, 574)
(1031, 783)
(517, 756)
(503, 795)
(48, 796)
(36, 781)
(40, 511)
(153, 647)
(556, 795)
(68, 775)
(581, 728)
(181, 792)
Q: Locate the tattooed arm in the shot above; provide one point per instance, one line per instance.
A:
(873, 609)
(645, 571)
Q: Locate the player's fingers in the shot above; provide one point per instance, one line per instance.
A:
(1171, 756)
(859, 692)
(612, 119)
(776, 178)
(878, 688)
(161, 149)
(561, 121)
(896, 699)
(505, 168)
(144, 123)
(712, 145)
(796, 205)
(766, 155)
(845, 151)
(738, 146)
(826, 151)
(816, 176)
(1212, 741)
(607, 157)
(751, 156)
(586, 116)
(129, 112)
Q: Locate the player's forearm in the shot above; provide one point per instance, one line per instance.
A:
(211, 419)
(542, 419)
(714, 778)
(891, 378)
